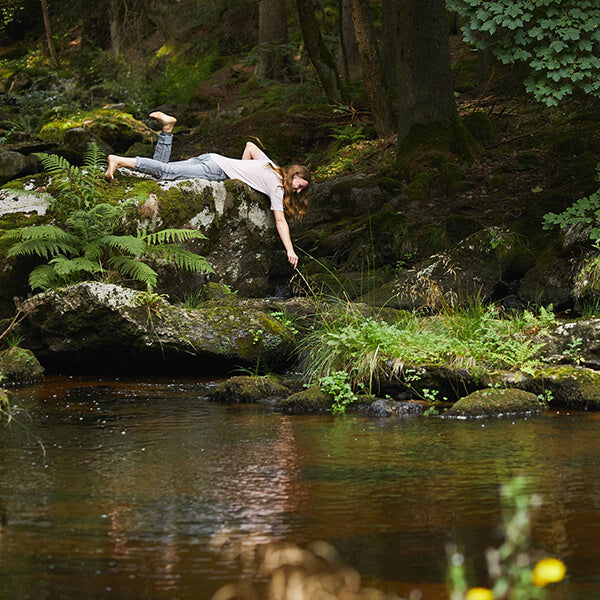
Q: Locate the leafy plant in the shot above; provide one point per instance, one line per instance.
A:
(556, 39)
(573, 350)
(337, 384)
(76, 186)
(511, 570)
(479, 339)
(90, 245)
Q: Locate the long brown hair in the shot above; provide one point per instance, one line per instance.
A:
(294, 204)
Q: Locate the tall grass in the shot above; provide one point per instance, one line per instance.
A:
(476, 338)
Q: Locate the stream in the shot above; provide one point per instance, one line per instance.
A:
(116, 488)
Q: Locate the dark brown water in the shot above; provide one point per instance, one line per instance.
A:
(140, 477)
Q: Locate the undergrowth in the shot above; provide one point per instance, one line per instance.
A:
(478, 338)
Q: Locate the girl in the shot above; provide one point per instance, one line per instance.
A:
(286, 188)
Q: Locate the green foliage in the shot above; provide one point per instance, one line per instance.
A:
(584, 212)
(90, 245)
(478, 339)
(76, 186)
(510, 567)
(557, 39)
(337, 384)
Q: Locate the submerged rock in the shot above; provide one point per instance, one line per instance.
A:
(495, 402)
(249, 390)
(19, 366)
(104, 324)
(311, 400)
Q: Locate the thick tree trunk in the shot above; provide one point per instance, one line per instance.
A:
(318, 52)
(388, 45)
(49, 33)
(115, 28)
(426, 105)
(371, 67)
(272, 35)
(348, 54)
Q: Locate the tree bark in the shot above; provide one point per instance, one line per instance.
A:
(115, 28)
(377, 92)
(272, 35)
(425, 92)
(388, 45)
(318, 52)
(348, 55)
(49, 33)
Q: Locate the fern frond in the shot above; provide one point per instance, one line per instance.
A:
(42, 278)
(93, 250)
(183, 259)
(126, 243)
(139, 271)
(53, 163)
(94, 158)
(173, 235)
(42, 240)
(67, 267)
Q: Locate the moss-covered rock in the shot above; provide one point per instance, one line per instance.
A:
(475, 267)
(93, 321)
(494, 402)
(311, 400)
(118, 129)
(249, 390)
(19, 366)
(568, 386)
(480, 126)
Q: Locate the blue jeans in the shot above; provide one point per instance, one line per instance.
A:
(199, 167)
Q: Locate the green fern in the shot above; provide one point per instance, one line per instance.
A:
(89, 246)
(75, 186)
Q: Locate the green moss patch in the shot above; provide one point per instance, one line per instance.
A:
(249, 390)
(494, 402)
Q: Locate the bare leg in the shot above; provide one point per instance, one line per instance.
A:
(167, 121)
(115, 162)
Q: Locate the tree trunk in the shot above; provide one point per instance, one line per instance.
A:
(371, 67)
(318, 52)
(348, 55)
(388, 45)
(426, 106)
(49, 33)
(272, 35)
(115, 28)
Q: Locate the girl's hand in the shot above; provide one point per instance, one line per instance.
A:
(293, 259)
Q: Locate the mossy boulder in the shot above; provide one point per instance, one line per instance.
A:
(495, 402)
(104, 325)
(116, 128)
(479, 266)
(241, 242)
(249, 390)
(14, 165)
(573, 387)
(310, 400)
(549, 281)
(480, 126)
(19, 366)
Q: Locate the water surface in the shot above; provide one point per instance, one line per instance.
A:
(140, 477)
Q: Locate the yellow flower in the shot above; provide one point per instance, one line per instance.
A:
(548, 570)
(479, 594)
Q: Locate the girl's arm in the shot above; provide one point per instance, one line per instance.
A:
(284, 234)
(252, 152)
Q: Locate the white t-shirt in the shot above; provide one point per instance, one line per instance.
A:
(256, 173)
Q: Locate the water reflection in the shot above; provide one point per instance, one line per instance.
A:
(142, 480)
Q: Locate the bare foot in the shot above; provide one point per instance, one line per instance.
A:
(167, 121)
(116, 162)
(112, 166)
